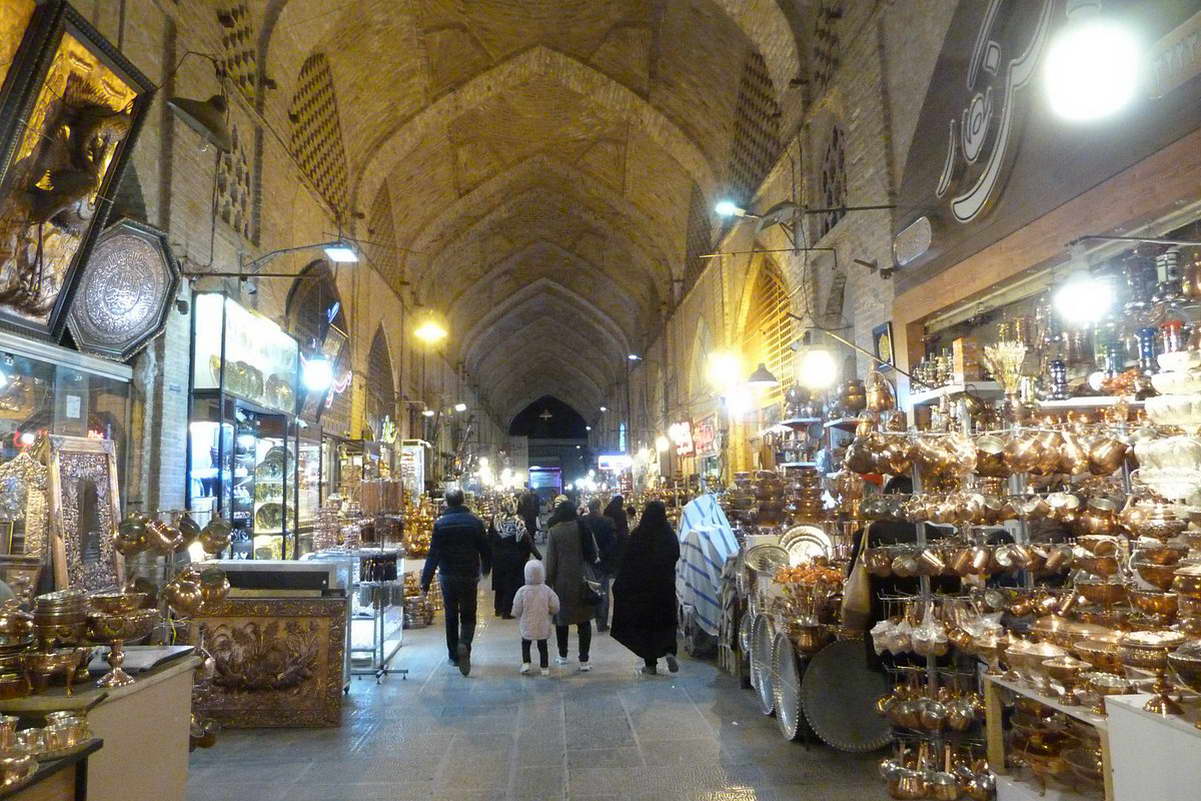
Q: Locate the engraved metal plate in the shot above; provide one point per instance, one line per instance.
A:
(125, 292)
(838, 696)
(763, 635)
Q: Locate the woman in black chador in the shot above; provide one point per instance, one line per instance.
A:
(644, 592)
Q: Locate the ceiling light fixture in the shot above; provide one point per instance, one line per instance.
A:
(460, 407)
(317, 374)
(427, 413)
(762, 377)
(1094, 65)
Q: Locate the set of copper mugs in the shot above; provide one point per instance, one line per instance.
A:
(911, 776)
(1035, 451)
(965, 559)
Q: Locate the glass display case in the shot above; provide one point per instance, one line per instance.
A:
(308, 491)
(243, 451)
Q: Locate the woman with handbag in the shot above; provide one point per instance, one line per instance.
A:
(644, 592)
(568, 547)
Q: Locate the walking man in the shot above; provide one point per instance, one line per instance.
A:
(605, 536)
(459, 552)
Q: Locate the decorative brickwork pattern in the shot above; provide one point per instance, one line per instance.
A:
(825, 57)
(317, 133)
(769, 320)
(382, 250)
(699, 239)
(381, 389)
(239, 40)
(234, 196)
(756, 142)
(832, 183)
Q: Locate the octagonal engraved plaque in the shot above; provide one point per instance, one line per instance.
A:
(125, 292)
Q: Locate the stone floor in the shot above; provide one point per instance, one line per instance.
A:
(608, 735)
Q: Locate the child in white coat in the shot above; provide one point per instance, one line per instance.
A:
(533, 606)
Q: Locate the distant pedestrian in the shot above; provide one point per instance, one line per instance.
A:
(528, 508)
(568, 545)
(459, 552)
(644, 592)
(604, 534)
(616, 512)
(533, 605)
(511, 545)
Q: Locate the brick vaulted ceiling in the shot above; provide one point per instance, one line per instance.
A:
(538, 158)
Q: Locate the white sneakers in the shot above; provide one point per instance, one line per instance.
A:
(560, 660)
(545, 671)
(525, 668)
(585, 667)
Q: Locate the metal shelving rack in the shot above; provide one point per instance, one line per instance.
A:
(381, 652)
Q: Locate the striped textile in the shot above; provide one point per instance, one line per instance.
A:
(706, 541)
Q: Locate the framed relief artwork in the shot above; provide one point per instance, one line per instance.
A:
(21, 574)
(74, 123)
(24, 506)
(882, 340)
(84, 511)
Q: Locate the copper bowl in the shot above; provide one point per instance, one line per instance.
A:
(114, 603)
(1160, 576)
(1187, 581)
(1099, 544)
(1185, 663)
(1085, 764)
(1163, 605)
(1148, 650)
(1098, 565)
(809, 638)
(1102, 593)
(1162, 553)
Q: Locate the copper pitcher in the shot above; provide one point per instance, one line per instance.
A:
(1106, 455)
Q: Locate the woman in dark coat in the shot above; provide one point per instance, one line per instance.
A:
(512, 547)
(568, 546)
(644, 592)
(616, 512)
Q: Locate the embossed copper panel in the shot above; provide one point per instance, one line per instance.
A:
(125, 292)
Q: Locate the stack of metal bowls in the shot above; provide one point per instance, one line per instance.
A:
(60, 618)
(16, 634)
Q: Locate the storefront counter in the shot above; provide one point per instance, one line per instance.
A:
(144, 728)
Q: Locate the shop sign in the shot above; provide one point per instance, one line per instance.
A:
(613, 462)
(680, 435)
(704, 435)
(989, 155)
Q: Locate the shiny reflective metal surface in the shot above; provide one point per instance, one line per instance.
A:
(838, 695)
(787, 687)
(763, 636)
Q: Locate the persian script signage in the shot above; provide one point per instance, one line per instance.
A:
(989, 156)
(704, 435)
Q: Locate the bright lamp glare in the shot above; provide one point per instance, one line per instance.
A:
(738, 402)
(604, 409)
(818, 370)
(317, 374)
(430, 332)
(1084, 299)
(427, 413)
(662, 444)
(722, 369)
(634, 357)
(460, 407)
(1092, 69)
(341, 253)
(726, 208)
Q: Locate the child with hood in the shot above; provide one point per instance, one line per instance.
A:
(533, 606)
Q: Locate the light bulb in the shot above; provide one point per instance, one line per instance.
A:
(317, 374)
(1084, 299)
(818, 370)
(662, 444)
(727, 208)
(1092, 68)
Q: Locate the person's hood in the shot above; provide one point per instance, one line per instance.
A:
(535, 573)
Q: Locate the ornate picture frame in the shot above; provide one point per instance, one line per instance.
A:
(74, 121)
(85, 508)
(25, 485)
(21, 574)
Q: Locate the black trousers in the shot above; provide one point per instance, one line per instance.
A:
(543, 652)
(585, 631)
(459, 596)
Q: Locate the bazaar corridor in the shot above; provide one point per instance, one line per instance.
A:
(608, 735)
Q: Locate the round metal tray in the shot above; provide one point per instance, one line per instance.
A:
(787, 689)
(838, 696)
(744, 631)
(763, 635)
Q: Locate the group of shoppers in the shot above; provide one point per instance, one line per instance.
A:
(588, 558)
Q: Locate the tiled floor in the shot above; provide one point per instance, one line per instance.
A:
(608, 735)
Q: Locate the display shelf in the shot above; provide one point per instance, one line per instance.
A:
(797, 422)
(1011, 788)
(1184, 724)
(1080, 713)
(1088, 402)
(1153, 754)
(798, 464)
(982, 388)
(843, 423)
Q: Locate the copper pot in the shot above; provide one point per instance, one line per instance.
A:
(1022, 452)
(990, 456)
(1050, 445)
(1073, 457)
(1100, 517)
(1106, 455)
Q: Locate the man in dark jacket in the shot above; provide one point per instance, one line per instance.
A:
(527, 509)
(604, 533)
(459, 552)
